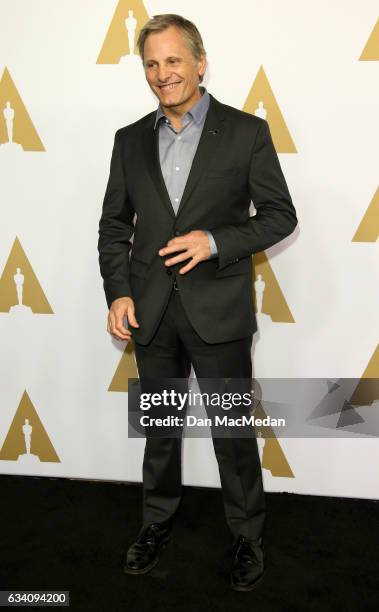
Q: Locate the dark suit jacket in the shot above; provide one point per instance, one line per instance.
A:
(235, 163)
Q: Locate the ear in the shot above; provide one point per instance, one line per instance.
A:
(202, 65)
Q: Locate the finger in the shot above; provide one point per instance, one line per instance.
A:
(121, 331)
(177, 240)
(118, 335)
(111, 322)
(189, 266)
(179, 258)
(173, 247)
(126, 339)
(119, 324)
(131, 317)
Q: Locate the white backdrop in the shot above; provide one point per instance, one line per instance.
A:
(61, 356)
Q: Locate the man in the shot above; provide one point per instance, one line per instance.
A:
(181, 180)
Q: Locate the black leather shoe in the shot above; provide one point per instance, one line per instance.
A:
(143, 555)
(248, 566)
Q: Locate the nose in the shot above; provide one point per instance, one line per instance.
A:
(163, 73)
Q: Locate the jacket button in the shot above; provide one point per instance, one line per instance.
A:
(177, 233)
(168, 271)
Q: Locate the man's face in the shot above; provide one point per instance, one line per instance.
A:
(170, 68)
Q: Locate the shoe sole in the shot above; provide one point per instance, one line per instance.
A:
(250, 587)
(145, 570)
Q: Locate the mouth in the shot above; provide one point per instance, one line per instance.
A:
(169, 86)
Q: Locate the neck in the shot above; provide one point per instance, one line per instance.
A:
(175, 113)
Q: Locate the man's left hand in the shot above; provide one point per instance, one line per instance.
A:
(194, 245)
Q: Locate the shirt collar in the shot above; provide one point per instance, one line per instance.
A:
(197, 111)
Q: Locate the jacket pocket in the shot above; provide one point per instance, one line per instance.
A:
(241, 266)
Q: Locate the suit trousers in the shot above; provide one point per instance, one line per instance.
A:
(170, 353)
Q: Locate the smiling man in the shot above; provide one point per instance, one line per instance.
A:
(181, 180)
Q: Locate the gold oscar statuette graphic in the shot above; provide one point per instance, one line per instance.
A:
(269, 302)
(126, 368)
(20, 292)
(262, 103)
(120, 42)
(17, 132)
(367, 390)
(272, 456)
(27, 441)
(368, 229)
(371, 51)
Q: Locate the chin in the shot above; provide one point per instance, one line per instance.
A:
(172, 101)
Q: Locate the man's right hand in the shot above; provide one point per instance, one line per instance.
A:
(121, 308)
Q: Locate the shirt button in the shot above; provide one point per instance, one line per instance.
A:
(179, 137)
(177, 168)
(176, 199)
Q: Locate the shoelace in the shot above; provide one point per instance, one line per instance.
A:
(243, 545)
(151, 533)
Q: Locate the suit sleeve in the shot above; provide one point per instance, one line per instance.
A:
(275, 216)
(116, 228)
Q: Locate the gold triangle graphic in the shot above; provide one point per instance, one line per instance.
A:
(116, 43)
(26, 426)
(126, 368)
(19, 286)
(261, 102)
(273, 301)
(367, 390)
(273, 458)
(12, 106)
(371, 51)
(368, 229)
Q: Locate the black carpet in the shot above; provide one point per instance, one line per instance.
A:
(321, 552)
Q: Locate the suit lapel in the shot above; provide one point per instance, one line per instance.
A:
(151, 148)
(208, 143)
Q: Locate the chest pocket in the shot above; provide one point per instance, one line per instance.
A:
(226, 173)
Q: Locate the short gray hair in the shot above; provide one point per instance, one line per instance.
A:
(159, 23)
